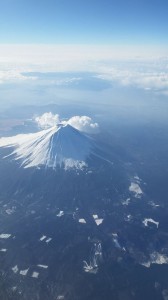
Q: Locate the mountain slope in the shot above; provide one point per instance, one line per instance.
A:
(57, 146)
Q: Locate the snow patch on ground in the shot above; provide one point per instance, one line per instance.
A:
(15, 269)
(42, 238)
(116, 242)
(146, 221)
(35, 275)
(98, 220)
(45, 239)
(95, 217)
(82, 221)
(10, 211)
(126, 202)
(156, 258)
(5, 236)
(24, 272)
(128, 218)
(48, 240)
(60, 214)
(95, 259)
(42, 266)
(154, 204)
(135, 189)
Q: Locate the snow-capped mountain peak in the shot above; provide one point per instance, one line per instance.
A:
(61, 145)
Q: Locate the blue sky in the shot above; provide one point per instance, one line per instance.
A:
(112, 52)
(84, 22)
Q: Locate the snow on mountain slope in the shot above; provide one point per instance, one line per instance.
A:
(60, 145)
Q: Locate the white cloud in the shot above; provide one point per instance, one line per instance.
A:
(82, 123)
(47, 120)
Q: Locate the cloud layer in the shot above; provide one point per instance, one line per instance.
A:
(82, 123)
(150, 74)
(14, 76)
(142, 67)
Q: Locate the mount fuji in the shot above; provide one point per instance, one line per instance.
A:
(59, 146)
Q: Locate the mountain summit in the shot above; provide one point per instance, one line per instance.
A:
(61, 145)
